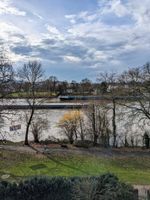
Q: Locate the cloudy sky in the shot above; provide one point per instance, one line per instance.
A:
(75, 39)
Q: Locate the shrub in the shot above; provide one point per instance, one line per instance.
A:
(70, 123)
(106, 187)
(85, 189)
(57, 188)
(109, 188)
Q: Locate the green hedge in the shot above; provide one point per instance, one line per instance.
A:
(105, 187)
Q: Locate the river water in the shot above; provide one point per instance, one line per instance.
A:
(132, 129)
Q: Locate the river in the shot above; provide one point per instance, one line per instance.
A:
(17, 118)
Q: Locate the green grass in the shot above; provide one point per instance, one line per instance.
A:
(26, 94)
(19, 166)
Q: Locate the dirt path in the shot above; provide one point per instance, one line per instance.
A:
(95, 151)
(21, 149)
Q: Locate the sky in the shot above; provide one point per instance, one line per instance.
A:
(75, 39)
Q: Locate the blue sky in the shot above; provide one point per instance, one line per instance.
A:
(75, 39)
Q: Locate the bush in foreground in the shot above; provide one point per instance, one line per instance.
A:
(105, 187)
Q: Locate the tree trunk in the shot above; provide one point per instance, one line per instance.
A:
(82, 132)
(114, 123)
(26, 142)
(71, 140)
(94, 125)
(36, 140)
(95, 139)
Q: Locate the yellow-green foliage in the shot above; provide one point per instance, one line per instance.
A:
(71, 117)
(70, 123)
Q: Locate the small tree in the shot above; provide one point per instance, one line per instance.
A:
(98, 124)
(37, 127)
(32, 74)
(69, 123)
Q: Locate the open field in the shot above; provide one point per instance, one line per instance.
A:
(134, 170)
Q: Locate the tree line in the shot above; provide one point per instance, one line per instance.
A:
(129, 90)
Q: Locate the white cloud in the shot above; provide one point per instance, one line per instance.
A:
(70, 16)
(84, 15)
(72, 59)
(111, 43)
(100, 56)
(7, 8)
(114, 6)
(16, 57)
(92, 38)
(140, 11)
(38, 16)
(53, 32)
(7, 32)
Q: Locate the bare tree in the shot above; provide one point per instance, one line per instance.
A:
(74, 86)
(110, 79)
(82, 130)
(136, 85)
(62, 87)
(98, 124)
(86, 86)
(37, 127)
(6, 86)
(92, 121)
(31, 73)
(6, 76)
(52, 83)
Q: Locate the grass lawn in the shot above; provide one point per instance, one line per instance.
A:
(19, 166)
